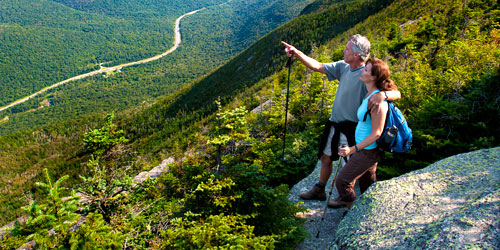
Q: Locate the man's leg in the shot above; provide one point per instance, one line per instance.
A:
(326, 168)
(318, 190)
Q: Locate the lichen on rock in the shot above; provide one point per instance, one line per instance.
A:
(453, 203)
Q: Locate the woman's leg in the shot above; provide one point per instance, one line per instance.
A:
(368, 178)
(359, 164)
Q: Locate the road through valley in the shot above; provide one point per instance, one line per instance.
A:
(108, 69)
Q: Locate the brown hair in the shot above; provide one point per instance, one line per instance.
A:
(381, 71)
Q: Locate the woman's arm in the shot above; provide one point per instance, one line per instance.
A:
(377, 99)
(378, 120)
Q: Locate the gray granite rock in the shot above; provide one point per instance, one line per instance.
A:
(315, 210)
(155, 172)
(451, 204)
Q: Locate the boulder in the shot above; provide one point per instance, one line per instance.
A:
(155, 172)
(451, 204)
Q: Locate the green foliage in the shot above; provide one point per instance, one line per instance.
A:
(212, 197)
(108, 184)
(98, 141)
(444, 58)
(231, 126)
(215, 232)
(105, 189)
(299, 158)
(12, 242)
(48, 224)
(38, 54)
(244, 191)
(94, 233)
(81, 36)
(53, 224)
(268, 208)
(229, 132)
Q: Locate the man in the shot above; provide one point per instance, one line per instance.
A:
(343, 119)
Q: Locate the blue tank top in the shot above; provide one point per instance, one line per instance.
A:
(364, 128)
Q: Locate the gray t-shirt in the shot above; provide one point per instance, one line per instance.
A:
(350, 92)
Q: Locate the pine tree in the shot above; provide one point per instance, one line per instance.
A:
(49, 223)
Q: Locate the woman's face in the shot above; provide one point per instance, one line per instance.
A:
(366, 74)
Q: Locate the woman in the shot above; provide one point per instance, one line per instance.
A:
(365, 155)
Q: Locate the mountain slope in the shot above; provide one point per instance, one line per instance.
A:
(200, 52)
(255, 63)
(155, 130)
(45, 42)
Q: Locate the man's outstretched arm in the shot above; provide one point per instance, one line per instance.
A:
(306, 60)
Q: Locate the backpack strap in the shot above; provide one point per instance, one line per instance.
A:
(368, 110)
(366, 114)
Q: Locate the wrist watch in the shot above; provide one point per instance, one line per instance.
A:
(356, 146)
(386, 97)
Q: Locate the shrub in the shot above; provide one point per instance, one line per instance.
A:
(48, 224)
(94, 233)
(215, 232)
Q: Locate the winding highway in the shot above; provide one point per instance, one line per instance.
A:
(108, 69)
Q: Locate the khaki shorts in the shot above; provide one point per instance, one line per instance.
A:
(342, 140)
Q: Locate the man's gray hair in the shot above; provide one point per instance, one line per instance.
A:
(361, 45)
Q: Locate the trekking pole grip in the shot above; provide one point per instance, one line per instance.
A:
(344, 157)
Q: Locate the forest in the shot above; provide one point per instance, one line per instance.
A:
(228, 185)
(212, 36)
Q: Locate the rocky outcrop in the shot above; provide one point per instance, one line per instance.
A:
(452, 204)
(316, 211)
(155, 172)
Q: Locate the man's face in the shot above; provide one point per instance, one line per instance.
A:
(349, 56)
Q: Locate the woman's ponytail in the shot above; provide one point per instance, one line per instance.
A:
(388, 85)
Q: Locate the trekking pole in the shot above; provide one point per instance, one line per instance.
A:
(330, 194)
(289, 65)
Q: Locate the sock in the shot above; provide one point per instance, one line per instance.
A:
(321, 185)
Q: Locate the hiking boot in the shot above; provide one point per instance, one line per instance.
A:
(316, 193)
(337, 203)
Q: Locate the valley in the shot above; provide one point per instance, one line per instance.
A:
(216, 34)
(105, 70)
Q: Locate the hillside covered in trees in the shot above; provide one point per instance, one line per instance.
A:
(39, 50)
(228, 185)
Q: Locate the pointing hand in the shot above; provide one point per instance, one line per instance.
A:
(290, 50)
